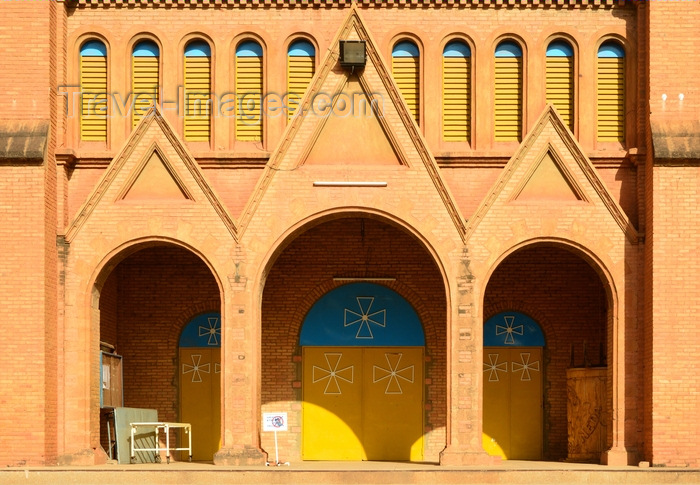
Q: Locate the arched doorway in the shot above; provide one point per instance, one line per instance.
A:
(200, 383)
(562, 293)
(332, 253)
(513, 369)
(362, 347)
(151, 293)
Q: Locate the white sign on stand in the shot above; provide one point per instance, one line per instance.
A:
(275, 422)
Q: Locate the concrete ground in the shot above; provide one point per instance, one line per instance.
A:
(311, 473)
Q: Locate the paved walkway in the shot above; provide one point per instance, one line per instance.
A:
(311, 473)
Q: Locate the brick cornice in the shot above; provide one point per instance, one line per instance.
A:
(348, 3)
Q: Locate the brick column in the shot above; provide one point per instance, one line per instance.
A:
(464, 374)
(240, 367)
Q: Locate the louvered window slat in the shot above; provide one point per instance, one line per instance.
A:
(406, 75)
(456, 99)
(249, 93)
(93, 84)
(300, 71)
(144, 86)
(611, 114)
(508, 98)
(197, 98)
(560, 87)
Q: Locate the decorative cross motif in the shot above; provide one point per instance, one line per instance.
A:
(393, 374)
(213, 331)
(524, 366)
(333, 373)
(196, 368)
(494, 367)
(364, 318)
(509, 329)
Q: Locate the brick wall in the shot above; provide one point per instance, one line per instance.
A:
(672, 268)
(305, 271)
(28, 235)
(566, 297)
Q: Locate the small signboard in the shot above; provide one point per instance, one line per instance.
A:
(274, 421)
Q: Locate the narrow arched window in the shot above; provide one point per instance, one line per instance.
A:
(300, 71)
(197, 91)
(249, 84)
(456, 92)
(145, 75)
(405, 67)
(508, 96)
(93, 88)
(611, 92)
(560, 79)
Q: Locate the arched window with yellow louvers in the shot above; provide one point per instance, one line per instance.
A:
(300, 70)
(93, 88)
(560, 79)
(198, 91)
(249, 85)
(508, 92)
(145, 78)
(405, 66)
(611, 92)
(456, 92)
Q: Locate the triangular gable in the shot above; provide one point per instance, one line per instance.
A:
(180, 172)
(564, 162)
(549, 180)
(154, 178)
(358, 123)
(374, 78)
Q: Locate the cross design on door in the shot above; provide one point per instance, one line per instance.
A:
(332, 373)
(196, 368)
(393, 374)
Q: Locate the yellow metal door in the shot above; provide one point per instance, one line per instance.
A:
(513, 402)
(332, 407)
(362, 403)
(497, 401)
(200, 399)
(526, 403)
(393, 403)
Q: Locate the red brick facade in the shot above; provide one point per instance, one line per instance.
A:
(125, 241)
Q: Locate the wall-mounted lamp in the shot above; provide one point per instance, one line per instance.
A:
(353, 53)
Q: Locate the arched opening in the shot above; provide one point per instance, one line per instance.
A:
(352, 262)
(151, 305)
(557, 290)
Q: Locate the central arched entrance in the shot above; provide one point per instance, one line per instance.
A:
(399, 271)
(362, 347)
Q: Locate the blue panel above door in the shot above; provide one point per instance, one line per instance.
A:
(202, 331)
(362, 314)
(512, 329)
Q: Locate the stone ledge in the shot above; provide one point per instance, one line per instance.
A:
(675, 141)
(23, 141)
